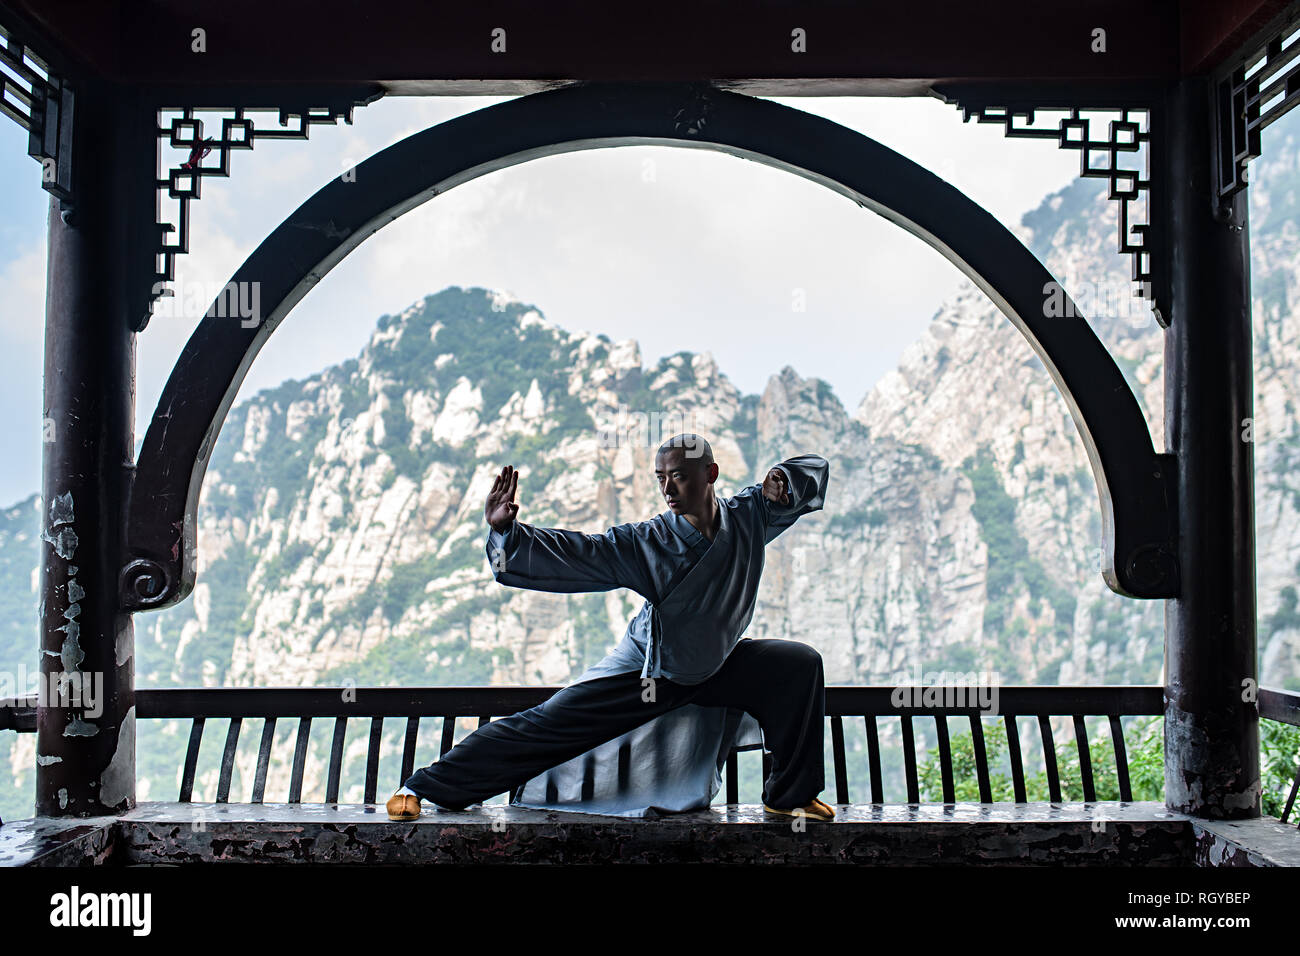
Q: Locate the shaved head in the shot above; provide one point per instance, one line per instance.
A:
(694, 448)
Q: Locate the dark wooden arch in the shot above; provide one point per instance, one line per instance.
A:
(1135, 484)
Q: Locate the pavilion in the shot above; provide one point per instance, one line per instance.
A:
(1188, 86)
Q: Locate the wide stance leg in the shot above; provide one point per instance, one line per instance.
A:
(783, 685)
(506, 752)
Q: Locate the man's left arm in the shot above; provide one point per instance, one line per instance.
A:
(792, 488)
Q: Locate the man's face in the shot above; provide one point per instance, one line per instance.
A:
(683, 480)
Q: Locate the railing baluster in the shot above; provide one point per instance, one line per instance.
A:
(372, 758)
(1017, 763)
(191, 759)
(263, 759)
(837, 751)
(945, 757)
(336, 759)
(767, 767)
(299, 759)
(408, 747)
(873, 759)
(733, 775)
(482, 721)
(981, 758)
(1085, 759)
(1121, 758)
(1049, 758)
(1290, 800)
(909, 760)
(448, 733)
(228, 760)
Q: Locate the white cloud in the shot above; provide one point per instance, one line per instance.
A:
(22, 314)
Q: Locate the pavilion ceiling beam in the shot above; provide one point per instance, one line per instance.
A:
(250, 42)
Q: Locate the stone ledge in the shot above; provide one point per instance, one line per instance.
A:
(1098, 834)
(1263, 841)
(60, 841)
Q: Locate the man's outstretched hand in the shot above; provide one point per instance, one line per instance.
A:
(501, 508)
(774, 487)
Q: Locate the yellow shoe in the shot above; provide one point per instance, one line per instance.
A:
(817, 810)
(403, 806)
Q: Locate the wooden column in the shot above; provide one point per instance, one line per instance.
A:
(1211, 719)
(97, 260)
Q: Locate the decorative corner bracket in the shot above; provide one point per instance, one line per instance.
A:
(1252, 90)
(42, 103)
(1122, 157)
(241, 127)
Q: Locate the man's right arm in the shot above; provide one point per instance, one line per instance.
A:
(553, 559)
(806, 478)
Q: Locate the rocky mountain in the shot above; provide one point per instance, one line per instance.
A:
(341, 532)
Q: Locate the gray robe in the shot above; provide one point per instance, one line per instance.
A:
(699, 599)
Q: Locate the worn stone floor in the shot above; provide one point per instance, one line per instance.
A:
(1096, 834)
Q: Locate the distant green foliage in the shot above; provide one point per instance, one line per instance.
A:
(1112, 628)
(404, 659)
(591, 629)
(1279, 747)
(856, 518)
(1011, 566)
(285, 563)
(1145, 753)
(19, 623)
(487, 348)
(228, 615)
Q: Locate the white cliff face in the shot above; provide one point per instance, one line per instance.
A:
(1275, 285)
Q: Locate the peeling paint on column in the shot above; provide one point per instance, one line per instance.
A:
(60, 532)
(117, 782)
(63, 798)
(71, 653)
(79, 728)
(61, 535)
(1199, 738)
(1244, 800)
(61, 509)
(45, 761)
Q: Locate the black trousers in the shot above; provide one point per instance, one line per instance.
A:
(779, 682)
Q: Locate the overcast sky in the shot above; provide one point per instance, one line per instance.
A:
(678, 248)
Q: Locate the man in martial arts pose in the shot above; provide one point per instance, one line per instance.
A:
(698, 565)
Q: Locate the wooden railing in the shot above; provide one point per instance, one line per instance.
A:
(1284, 707)
(378, 704)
